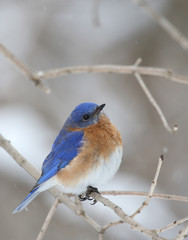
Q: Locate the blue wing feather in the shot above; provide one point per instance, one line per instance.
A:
(64, 149)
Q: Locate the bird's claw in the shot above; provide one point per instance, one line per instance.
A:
(86, 195)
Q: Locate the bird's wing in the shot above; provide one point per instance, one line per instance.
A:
(62, 153)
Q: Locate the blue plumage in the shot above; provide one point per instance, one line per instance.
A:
(62, 153)
(34, 192)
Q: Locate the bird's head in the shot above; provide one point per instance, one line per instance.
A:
(84, 115)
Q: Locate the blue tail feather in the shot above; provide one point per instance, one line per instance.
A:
(27, 200)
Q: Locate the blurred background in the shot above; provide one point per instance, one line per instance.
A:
(48, 34)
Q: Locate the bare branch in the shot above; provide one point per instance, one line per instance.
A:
(119, 212)
(22, 68)
(132, 69)
(171, 225)
(104, 228)
(145, 194)
(48, 219)
(152, 188)
(167, 26)
(119, 69)
(152, 100)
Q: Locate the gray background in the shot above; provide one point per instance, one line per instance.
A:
(52, 34)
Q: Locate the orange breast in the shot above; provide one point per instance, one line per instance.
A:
(100, 140)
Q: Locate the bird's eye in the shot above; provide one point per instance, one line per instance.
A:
(86, 117)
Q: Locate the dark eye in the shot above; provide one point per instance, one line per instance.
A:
(86, 117)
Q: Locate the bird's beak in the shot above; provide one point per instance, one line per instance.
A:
(99, 109)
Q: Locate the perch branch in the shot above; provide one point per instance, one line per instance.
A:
(5, 144)
(145, 194)
(120, 213)
(81, 212)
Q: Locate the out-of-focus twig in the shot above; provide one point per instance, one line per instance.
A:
(152, 188)
(22, 68)
(48, 219)
(36, 77)
(95, 13)
(167, 26)
(155, 105)
(183, 233)
(119, 69)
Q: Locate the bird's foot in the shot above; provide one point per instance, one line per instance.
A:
(86, 195)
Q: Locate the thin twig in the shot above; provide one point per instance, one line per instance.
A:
(119, 69)
(152, 188)
(164, 23)
(171, 225)
(27, 72)
(152, 100)
(155, 104)
(48, 219)
(104, 228)
(183, 233)
(119, 212)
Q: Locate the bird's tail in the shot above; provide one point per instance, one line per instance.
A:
(27, 200)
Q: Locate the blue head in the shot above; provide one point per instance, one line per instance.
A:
(84, 115)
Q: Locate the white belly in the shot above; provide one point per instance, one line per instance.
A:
(107, 169)
(99, 176)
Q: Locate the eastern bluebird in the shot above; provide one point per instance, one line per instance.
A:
(86, 153)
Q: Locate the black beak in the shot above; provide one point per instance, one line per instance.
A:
(99, 108)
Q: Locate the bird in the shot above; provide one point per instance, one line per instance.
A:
(85, 155)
